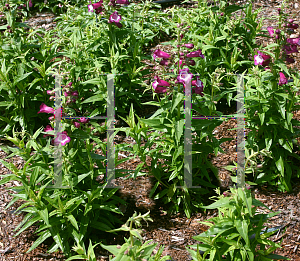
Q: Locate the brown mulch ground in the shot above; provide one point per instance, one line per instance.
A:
(174, 232)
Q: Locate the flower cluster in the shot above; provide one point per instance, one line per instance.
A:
(71, 95)
(289, 46)
(160, 86)
(114, 17)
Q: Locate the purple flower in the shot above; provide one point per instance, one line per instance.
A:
(197, 53)
(84, 120)
(199, 86)
(75, 93)
(158, 83)
(184, 76)
(293, 26)
(293, 40)
(159, 53)
(192, 62)
(30, 4)
(164, 62)
(262, 59)
(45, 109)
(270, 30)
(122, 2)
(288, 49)
(189, 45)
(282, 79)
(48, 128)
(97, 6)
(277, 31)
(62, 138)
(49, 92)
(289, 59)
(70, 84)
(77, 124)
(115, 18)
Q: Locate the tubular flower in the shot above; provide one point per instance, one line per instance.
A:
(48, 128)
(159, 85)
(184, 76)
(282, 79)
(199, 86)
(197, 53)
(49, 92)
(262, 59)
(30, 4)
(122, 2)
(77, 124)
(180, 63)
(97, 6)
(288, 49)
(45, 109)
(270, 30)
(161, 54)
(293, 41)
(84, 120)
(189, 45)
(115, 18)
(62, 138)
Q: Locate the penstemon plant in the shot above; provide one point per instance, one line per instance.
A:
(270, 102)
(237, 232)
(133, 249)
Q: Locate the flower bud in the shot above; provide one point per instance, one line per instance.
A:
(8, 27)
(277, 31)
(279, 10)
(222, 14)
(291, 21)
(192, 62)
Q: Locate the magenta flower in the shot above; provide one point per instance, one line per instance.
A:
(75, 93)
(77, 124)
(97, 6)
(115, 18)
(67, 93)
(45, 109)
(288, 49)
(192, 62)
(164, 62)
(48, 128)
(49, 92)
(30, 4)
(159, 84)
(62, 138)
(262, 59)
(184, 76)
(293, 26)
(270, 30)
(51, 118)
(197, 53)
(293, 40)
(282, 79)
(161, 54)
(199, 86)
(189, 45)
(122, 2)
(84, 120)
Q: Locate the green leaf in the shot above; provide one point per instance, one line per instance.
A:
(43, 236)
(242, 228)
(177, 98)
(73, 221)
(223, 202)
(280, 165)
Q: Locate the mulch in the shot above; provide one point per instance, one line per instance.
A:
(176, 231)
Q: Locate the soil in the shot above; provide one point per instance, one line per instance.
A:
(175, 231)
